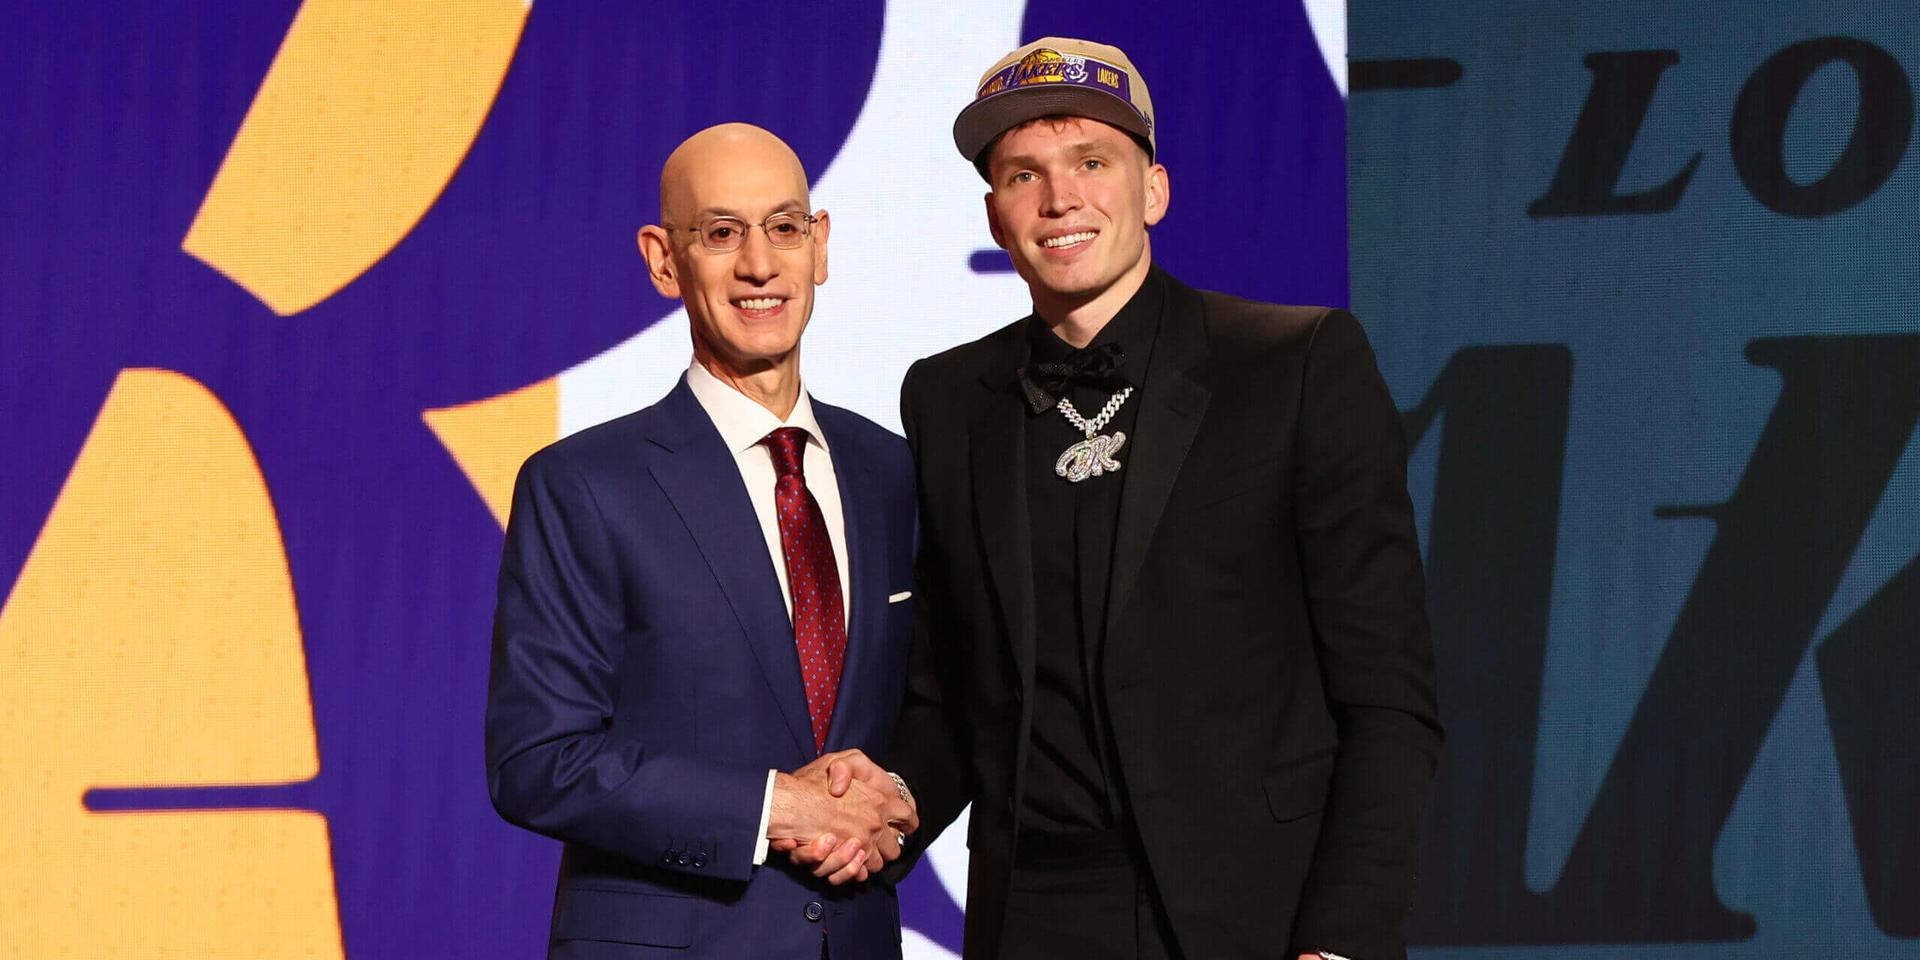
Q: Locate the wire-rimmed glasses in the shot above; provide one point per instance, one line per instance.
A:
(785, 230)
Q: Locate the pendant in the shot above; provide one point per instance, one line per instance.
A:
(1091, 457)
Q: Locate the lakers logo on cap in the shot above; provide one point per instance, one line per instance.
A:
(1053, 70)
(1049, 66)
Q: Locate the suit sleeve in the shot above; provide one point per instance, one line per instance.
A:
(554, 763)
(1366, 597)
(924, 748)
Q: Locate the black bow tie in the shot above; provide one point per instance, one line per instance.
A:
(1098, 366)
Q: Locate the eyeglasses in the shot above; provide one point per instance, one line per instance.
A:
(726, 234)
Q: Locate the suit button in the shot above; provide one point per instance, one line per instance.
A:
(815, 911)
(669, 856)
(699, 859)
(682, 860)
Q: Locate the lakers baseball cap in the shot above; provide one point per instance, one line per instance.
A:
(1055, 76)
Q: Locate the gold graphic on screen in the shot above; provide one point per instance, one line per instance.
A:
(490, 438)
(152, 640)
(367, 111)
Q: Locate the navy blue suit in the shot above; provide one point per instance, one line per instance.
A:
(644, 680)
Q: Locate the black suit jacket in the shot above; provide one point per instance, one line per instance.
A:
(1267, 666)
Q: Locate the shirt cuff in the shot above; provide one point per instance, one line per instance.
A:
(766, 815)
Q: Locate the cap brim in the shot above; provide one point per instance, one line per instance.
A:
(983, 120)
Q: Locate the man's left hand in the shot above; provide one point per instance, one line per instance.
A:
(842, 769)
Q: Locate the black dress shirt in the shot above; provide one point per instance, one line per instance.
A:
(1071, 771)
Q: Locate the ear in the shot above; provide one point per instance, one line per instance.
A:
(1159, 193)
(993, 223)
(819, 231)
(657, 249)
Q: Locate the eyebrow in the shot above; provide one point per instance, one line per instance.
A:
(1077, 148)
(789, 206)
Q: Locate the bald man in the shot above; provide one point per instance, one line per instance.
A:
(702, 606)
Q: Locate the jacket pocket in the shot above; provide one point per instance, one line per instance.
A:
(1299, 787)
(621, 916)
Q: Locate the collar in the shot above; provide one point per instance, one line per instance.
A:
(741, 420)
(1132, 327)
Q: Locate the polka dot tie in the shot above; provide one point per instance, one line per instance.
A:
(819, 620)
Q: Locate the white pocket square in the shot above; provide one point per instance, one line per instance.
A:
(897, 597)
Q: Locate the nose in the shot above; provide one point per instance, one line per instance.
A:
(1061, 198)
(756, 261)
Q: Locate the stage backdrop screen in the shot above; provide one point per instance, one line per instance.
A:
(288, 290)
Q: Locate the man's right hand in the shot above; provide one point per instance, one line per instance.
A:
(847, 829)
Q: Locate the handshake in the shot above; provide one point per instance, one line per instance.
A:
(841, 815)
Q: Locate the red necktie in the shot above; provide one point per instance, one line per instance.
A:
(819, 622)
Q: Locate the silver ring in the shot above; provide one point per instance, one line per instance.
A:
(901, 785)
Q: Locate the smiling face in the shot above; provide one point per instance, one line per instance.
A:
(747, 307)
(1071, 201)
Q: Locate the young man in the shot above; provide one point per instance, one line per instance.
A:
(695, 597)
(1172, 641)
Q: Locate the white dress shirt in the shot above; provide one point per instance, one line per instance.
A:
(743, 423)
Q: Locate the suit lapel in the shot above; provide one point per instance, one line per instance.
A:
(999, 462)
(1172, 402)
(703, 483)
(863, 510)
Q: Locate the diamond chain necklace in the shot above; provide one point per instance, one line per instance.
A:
(1093, 455)
(1091, 427)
